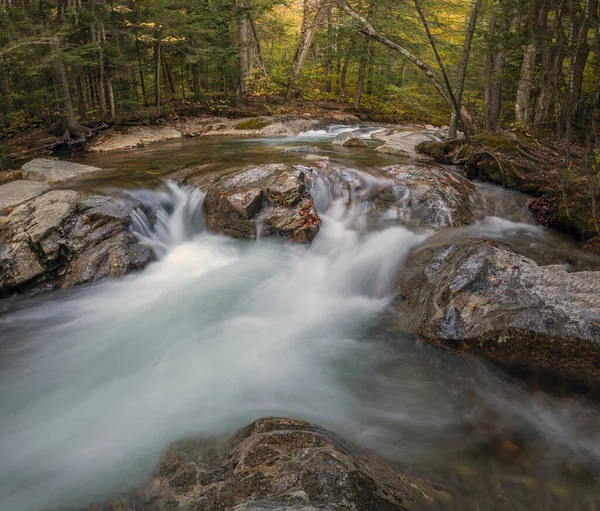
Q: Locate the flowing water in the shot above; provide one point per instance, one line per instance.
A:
(96, 381)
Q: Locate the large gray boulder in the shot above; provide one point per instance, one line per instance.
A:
(348, 139)
(477, 296)
(262, 201)
(277, 464)
(56, 171)
(16, 192)
(63, 238)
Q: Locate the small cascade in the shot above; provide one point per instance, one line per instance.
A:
(178, 216)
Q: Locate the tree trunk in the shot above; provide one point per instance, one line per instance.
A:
(329, 62)
(140, 68)
(537, 23)
(489, 64)
(157, 65)
(196, 78)
(309, 27)
(109, 85)
(360, 83)
(580, 30)
(244, 51)
(553, 56)
(343, 74)
(462, 70)
(69, 125)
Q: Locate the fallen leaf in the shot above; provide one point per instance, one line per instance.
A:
(515, 267)
(473, 307)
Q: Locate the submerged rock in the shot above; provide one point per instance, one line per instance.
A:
(63, 238)
(480, 297)
(348, 139)
(394, 151)
(16, 192)
(278, 464)
(55, 171)
(302, 149)
(263, 200)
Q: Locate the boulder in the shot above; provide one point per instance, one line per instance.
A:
(16, 192)
(403, 142)
(392, 150)
(428, 196)
(63, 238)
(348, 139)
(133, 137)
(264, 200)
(277, 464)
(316, 158)
(480, 297)
(55, 171)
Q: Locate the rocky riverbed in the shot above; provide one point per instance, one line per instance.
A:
(355, 231)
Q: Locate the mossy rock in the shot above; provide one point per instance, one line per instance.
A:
(256, 123)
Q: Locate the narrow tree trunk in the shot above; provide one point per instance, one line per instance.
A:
(360, 83)
(580, 30)
(537, 23)
(343, 74)
(244, 51)
(140, 68)
(109, 85)
(489, 64)
(329, 62)
(259, 52)
(462, 70)
(157, 65)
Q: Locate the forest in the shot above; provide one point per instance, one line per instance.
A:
(526, 67)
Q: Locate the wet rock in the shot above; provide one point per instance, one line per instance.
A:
(134, 137)
(429, 196)
(278, 464)
(348, 139)
(302, 149)
(271, 199)
(480, 297)
(403, 142)
(55, 171)
(16, 192)
(63, 238)
(392, 150)
(316, 158)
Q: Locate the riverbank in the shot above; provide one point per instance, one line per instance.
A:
(566, 195)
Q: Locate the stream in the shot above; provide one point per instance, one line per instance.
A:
(96, 381)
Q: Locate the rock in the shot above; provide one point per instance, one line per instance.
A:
(55, 171)
(403, 143)
(428, 195)
(15, 192)
(477, 296)
(394, 151)
(302, 149)
(348, 139)
(129, 138)
(271, 199)
(316, 157)
(63, 238)
(277, 464)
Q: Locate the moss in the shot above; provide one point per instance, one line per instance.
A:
(439, 150)
(256, 123)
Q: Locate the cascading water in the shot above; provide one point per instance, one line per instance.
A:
(97, 381)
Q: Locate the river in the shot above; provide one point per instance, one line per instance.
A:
(96, 381)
